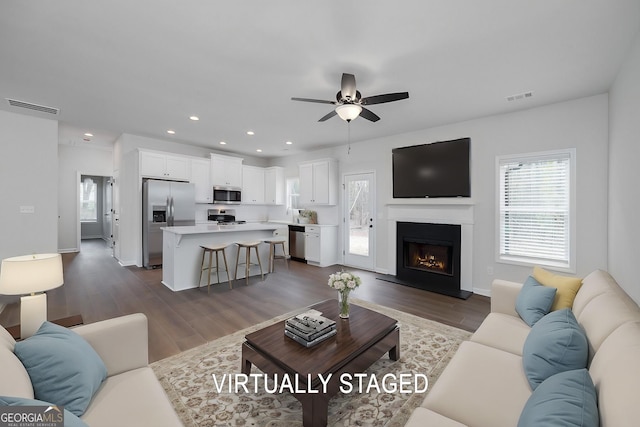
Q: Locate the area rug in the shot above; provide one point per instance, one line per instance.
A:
(188, 378)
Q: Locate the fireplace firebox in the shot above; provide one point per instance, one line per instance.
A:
(428, 257)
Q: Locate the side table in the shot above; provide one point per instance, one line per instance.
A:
(67, 322)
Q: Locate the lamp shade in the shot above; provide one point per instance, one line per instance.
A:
(348, 112)
(30, 273)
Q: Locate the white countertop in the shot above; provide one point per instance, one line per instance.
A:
(215, 228)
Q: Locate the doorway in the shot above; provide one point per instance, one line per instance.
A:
(95, 208)
(359, 231)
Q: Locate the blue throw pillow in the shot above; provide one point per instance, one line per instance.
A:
(556, 343)
(565, 399)
(70, 420)
(534, 301)
(63, 367)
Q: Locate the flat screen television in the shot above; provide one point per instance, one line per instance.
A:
(439, 169)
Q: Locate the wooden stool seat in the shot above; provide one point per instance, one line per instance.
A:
(273, 243)
(211, 249)
(247, 259)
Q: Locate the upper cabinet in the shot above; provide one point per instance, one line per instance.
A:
(201, 177)
(319, 182)
(226, 171)
(262, 186)
(253, 185)
(164, 166)
(274, 186)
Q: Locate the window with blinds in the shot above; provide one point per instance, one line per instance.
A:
(535, 209)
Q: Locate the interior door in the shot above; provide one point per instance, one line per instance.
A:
(359, 220)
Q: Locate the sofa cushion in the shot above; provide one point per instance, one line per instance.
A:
(63, 367)
(567, 287)
(481, 386)
(564, 399)
(615, 370)
(502, 331)
(534, 301)
(70, 420)
(555, 344)
(135, 396)
(421, 417)
(594, 284)
(15, 379)
(604, 314)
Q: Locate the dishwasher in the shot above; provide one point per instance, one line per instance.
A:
(296, 242)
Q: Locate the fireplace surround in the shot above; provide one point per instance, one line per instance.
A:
(428, 257)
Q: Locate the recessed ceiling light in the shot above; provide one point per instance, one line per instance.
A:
(194, 118)
(88, 134)
(171, 132)
(223, 143)
(288, 142)
(250, 132)
(259, 150)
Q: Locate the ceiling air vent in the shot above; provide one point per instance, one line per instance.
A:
(520, 96)
(30, 106)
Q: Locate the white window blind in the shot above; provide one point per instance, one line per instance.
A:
(535, 209)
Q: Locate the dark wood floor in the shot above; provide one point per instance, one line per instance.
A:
(98, 288)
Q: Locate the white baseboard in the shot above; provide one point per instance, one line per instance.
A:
(68, 250)
(483, 292)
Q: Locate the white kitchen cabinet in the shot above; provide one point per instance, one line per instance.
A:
(274, 186)
(319, 182)
(226, 171)
(321, 245)
(253, 185)
(201, 177)
(164, 166)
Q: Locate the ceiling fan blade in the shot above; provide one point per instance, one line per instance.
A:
(369, 115)
(328, 116)
(387, 97)
(319, 101)
(348, 86)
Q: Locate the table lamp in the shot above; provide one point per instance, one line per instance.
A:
(30, 276)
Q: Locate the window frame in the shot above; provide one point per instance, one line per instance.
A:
(570, 265)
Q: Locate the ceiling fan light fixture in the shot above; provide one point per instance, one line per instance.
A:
(348, 112)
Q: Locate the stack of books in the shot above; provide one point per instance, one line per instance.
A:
(309, 328)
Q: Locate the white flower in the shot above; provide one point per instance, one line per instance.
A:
(343, 280)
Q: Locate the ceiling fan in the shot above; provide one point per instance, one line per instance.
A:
(350, 104)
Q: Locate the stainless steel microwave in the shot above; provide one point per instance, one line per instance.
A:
(227, 195)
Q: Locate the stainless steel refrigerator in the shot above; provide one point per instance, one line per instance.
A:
(164, 204)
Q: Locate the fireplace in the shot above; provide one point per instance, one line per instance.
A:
(428, 257)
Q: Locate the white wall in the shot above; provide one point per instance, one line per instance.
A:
(580, 123)
(74, 160)
(624, 177)
(28, 171)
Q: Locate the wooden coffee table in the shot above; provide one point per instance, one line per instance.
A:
(360, 341)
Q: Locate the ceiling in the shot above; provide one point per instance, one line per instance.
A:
(143, 67)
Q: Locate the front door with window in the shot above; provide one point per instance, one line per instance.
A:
(359, 222)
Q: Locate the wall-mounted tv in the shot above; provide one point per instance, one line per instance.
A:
(439, 169)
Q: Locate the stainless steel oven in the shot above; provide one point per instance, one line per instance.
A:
(227, 195)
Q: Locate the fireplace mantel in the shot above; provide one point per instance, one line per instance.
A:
(464, 201)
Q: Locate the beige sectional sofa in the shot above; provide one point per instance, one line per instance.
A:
(485, 383)
(130, 396)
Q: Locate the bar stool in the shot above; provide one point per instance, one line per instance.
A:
(273, 243)
(247, 259)
(210, 249)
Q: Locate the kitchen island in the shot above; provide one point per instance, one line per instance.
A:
(182, 254)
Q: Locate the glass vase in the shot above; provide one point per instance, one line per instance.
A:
(343, 303)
